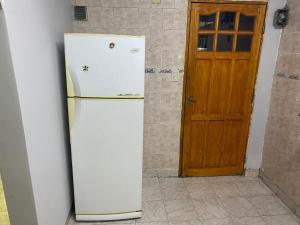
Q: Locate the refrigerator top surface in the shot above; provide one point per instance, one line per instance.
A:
(108, 66)
(103, 35)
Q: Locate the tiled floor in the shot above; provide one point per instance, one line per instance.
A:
(209, 201)
(4, 220)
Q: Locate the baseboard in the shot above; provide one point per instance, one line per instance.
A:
(251, 173)
(290, 203)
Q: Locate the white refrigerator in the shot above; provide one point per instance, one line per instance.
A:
(105, 84)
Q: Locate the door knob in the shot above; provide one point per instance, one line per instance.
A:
(190, 100)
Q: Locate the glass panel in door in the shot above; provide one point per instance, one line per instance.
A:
(246, 23)
(227, 21)
(225, 42)
(207, 22)
(244, 43)
(205, 42)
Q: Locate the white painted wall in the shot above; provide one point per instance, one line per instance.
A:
(35, 32)
(263, 87)
(14, 166)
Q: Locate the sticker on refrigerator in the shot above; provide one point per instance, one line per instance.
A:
(85, 68)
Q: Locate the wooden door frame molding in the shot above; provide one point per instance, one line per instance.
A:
(190, 2)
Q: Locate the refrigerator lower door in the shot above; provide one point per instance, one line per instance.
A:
(107, 152)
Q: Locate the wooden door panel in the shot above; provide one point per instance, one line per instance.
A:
(214, 141)
(229, 154)
(221, 137)
(218, 93)
(201, 81)
(198, 148)
(240, 83)
(221, 72)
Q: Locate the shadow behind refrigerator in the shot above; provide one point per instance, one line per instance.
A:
(105, 83)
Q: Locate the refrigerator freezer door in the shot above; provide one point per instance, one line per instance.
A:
(105, 65)
(107, 152)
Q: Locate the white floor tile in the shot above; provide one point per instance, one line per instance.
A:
(268, 205)
(225, 221)
(253, 188)
(281, 220)
(180, 210)
(238, 207)
(153, 211)
(210, 208)
(229, 200)
(249, 221)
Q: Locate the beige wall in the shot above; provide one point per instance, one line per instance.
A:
(281, 160)
(164, 26)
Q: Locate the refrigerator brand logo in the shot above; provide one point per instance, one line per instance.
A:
(85, 68)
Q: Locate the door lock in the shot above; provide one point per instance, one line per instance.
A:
(190, 100)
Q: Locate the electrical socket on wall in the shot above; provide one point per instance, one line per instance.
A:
(175, 77)
(156, 1)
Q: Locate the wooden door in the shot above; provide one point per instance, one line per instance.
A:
(222, 60)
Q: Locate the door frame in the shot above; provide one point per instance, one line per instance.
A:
(190, 2)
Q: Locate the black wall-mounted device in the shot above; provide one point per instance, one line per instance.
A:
(281, 18)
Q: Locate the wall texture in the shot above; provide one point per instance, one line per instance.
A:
(164, 26)
(35, 35)
(263, 88)
(281, 159)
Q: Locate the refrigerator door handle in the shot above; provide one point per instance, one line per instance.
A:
(71, 112)
(74, 108)
(70, 85)
(73, 87)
